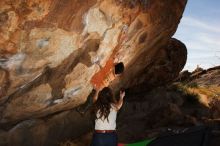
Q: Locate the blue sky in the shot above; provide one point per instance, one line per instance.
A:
(199, 30)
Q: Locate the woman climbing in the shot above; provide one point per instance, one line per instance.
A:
(100, 80)
(105, 110)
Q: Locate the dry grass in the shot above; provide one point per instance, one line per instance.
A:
(211, 91)
(205, 94)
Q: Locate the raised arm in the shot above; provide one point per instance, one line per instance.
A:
(119, 104)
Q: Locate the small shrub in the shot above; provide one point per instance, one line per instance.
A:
(191, 97)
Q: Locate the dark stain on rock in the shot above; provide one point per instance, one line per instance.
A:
(4, 82)
(91, 45)
(3, 18)
(144, 4)
(23, 9)
(142, 38)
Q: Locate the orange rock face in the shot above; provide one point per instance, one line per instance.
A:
(52, 49)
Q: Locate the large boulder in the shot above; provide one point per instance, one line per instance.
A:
(51, 49)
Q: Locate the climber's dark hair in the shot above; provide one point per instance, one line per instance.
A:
(119, 68)
(103, 103)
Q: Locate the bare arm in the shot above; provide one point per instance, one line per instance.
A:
(95, 97)
(119, 104)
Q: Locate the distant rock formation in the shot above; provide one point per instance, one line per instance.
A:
(201, 76)
(51, 49)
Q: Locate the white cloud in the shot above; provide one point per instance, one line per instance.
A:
(193, 22)
(210, 39)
